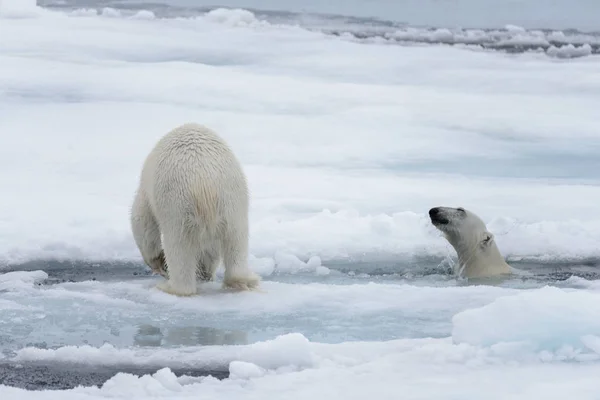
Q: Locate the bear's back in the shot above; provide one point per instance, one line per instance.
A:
(192, 162)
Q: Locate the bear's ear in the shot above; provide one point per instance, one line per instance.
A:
(487, 239)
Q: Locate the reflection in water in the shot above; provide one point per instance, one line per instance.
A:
(149, 335)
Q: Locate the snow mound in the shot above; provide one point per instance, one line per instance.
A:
(233, 17)
(569, 51)
(163, 381)
(21, 279)
(110, 12)
(144, 15)
(582, 283)
(285, 262)
(549, 319)
(245, 370)
(289, 351)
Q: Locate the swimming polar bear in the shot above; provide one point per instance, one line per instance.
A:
(193, 192)
(478, 255)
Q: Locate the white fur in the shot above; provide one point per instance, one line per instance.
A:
(194, 194)
(478, 255)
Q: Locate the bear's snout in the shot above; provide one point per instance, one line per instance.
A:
(437, 216)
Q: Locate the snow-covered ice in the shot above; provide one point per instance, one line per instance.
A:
(347, 141)
(357, 150)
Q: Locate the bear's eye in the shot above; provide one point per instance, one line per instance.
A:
(461, 209)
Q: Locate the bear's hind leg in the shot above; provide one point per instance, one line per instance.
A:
(146, 234)
(208, 264)
(182, 255)
(235, 259)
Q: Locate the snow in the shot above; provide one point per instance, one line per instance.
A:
(21, 279)
(333, 121)
(245, 370)
(290, 350)
(353, 371)
(531, 14)
(570, 51)
(549, 318)
(19, 9)
(346, 144)
(134, 313)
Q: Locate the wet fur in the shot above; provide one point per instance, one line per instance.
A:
(190, 212)
(478, 254)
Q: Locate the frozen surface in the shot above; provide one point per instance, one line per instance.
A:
(344, 155)
(133, 313)
(561, 29)
(533, 14)
(348, 133)
(549, 318)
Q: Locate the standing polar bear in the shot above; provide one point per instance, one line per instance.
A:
(478, 255)
(193, 192)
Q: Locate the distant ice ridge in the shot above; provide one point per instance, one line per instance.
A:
(555, 43)
(513, 39)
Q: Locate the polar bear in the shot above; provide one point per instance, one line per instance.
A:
(478, 255)
(193, 192)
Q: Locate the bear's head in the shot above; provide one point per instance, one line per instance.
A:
(465, 231)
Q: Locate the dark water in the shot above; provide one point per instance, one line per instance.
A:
(61, 376)
(344, 271)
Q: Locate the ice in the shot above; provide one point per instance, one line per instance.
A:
(290, 350)
(581, 283)
(11, 281)
(26, 277)
(531, 14)
(19, 9)
(144, 14)
(346, 144)
(548, 319)
(426, 368)
(285, 262)
(338, 180)
(235, 17)
(508, 38)
(570, 51)
(134, 313)
(245, 370)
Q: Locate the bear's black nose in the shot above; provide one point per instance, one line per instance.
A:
(434, 211)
